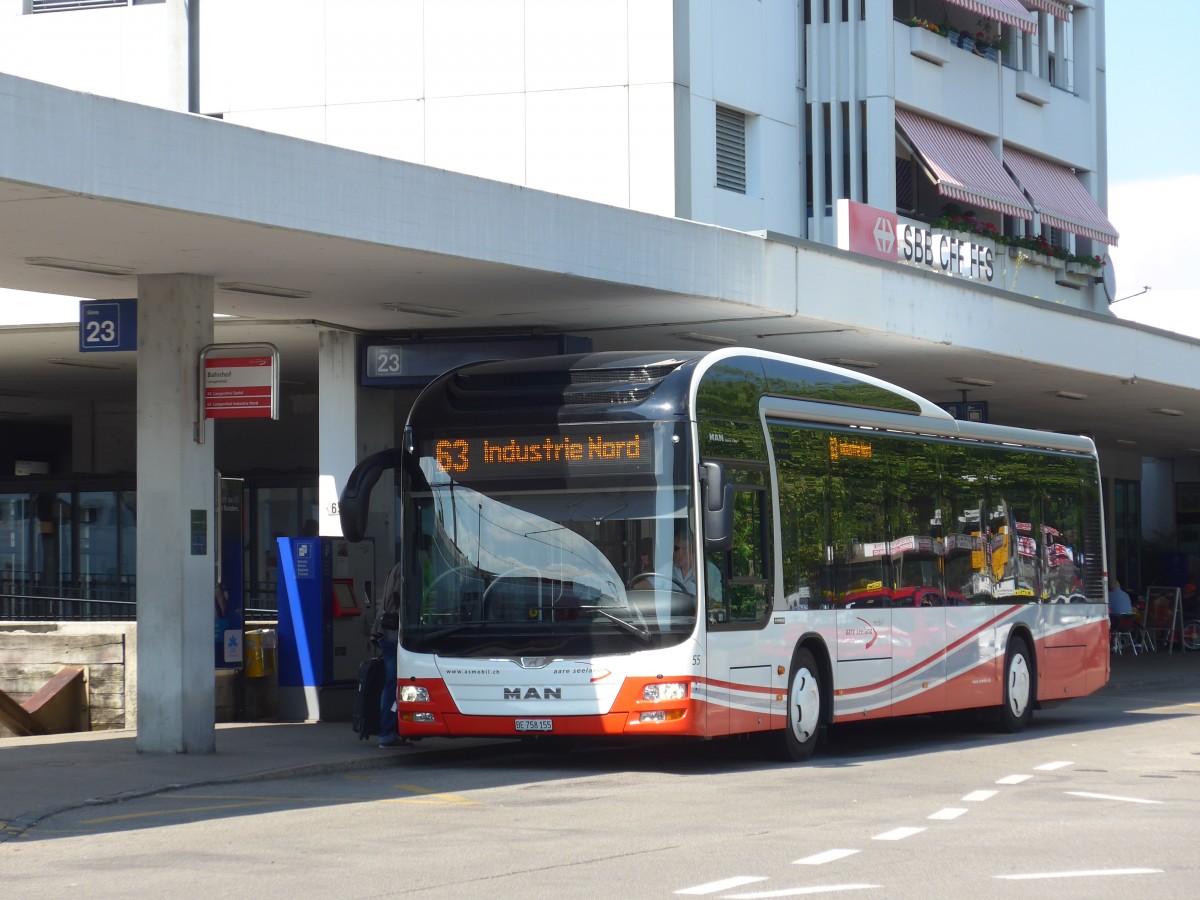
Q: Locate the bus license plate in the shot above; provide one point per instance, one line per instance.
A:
(535, 724)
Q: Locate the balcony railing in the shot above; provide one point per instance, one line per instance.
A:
(956, 38)
(49, 6)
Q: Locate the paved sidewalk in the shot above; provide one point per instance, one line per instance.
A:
(40, 776)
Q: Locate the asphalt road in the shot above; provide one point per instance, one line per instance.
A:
(1099, 798)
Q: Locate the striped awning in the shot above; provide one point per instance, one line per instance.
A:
(1007, 12)
(962, 165)
(1056, 8)
(1059, 198)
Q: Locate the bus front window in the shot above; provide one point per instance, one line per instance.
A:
(531, 566)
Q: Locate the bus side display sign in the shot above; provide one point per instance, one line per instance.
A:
(586, 452)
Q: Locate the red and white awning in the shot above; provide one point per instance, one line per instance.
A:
(1007, 12)
(1056, 8)
(1059, 198)
(962, 165)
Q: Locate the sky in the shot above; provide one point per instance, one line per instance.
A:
(1154, 161)
(1153, 172)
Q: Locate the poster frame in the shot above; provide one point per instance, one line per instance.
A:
(1162, 614)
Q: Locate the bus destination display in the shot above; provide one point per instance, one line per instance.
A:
(585, 452)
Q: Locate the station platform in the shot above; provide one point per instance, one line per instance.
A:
(42, 776)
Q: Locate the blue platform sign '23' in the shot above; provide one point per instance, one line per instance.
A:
(107, 325)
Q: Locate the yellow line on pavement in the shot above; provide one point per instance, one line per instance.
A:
(430, 796)
(171, 812)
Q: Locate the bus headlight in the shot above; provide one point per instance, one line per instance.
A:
(411, 693)
(671, 690)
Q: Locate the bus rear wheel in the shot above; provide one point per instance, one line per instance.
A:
(799, 738)
(1017, 708)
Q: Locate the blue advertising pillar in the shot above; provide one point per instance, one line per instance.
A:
(323, 586)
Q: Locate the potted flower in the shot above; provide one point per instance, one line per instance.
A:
(985, 39)
(1082, 261)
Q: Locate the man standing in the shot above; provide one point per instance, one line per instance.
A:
(386, 632)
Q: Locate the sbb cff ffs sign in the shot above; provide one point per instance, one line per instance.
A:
(239, 387)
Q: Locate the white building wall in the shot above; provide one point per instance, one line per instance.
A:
(612, 101)
(538, 93)
(134, 53)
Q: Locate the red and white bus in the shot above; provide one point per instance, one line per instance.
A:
(857, 553)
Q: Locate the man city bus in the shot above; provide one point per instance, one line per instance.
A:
(858, 553)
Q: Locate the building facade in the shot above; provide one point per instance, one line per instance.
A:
(756, 115)
(978, 122)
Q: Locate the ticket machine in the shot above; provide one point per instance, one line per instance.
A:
(324, 588)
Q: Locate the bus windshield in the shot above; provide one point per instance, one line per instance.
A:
(517, 555)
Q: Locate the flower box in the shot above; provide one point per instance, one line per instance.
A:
(928, 45)
(1075, 275)
(964, 40)
(1033, 89)
(1034, 256)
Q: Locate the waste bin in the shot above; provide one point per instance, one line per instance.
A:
(260, 652)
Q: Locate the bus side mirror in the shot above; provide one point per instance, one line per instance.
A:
(717, 501)
(355, 501)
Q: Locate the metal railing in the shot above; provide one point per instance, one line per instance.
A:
(119, 606)
(48, 6)
(26, 608)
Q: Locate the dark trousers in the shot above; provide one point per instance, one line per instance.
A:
(388, 730)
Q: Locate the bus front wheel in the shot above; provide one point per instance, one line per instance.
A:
(799, 738)
(1017, 709)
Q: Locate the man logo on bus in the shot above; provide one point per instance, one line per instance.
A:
(533, 694)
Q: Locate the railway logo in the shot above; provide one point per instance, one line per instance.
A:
(885, 236)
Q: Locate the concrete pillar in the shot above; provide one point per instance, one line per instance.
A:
(175, 562)
(337, 444)
(354, 422)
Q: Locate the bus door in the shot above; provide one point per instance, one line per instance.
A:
(918, 626)
(737, 607)
(971, 674)
(857, 558)
(862, 596)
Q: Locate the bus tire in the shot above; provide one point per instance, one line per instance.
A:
(1017, 708)
(799, 737)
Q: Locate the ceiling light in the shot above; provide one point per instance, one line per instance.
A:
(416, 308)
(851, 363)
(60, 361)
(1070, 395)
(702, 338)
(1166, 411)
(1193, 449)
(264, 290)
(74, 265)
(970, 379)
(1126, 443)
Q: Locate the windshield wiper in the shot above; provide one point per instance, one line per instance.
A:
(449, 630)
(642, 633)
